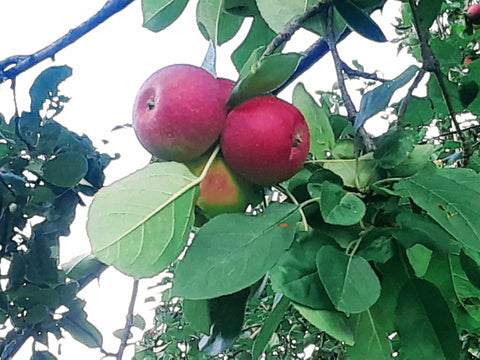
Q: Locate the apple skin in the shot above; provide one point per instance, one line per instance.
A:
(226, 86)
(473, 14)
(222, 191)
(266, 140)
(179, 112)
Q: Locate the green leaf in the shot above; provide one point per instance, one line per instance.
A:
(394, 147)
(232, 251)
(416, 160)
(82, 267)
(66, 169)
(227, 314)
(426, 328)
(421, 229)
(350, 282)
(197, 314)
(43, 355)
(419, 257)
(359, 20)
(435, 94)
(46, 85)
(159, 14)
(467, 293)
(371, 340)
(323, 139)
(262, 74)
(241, 7)
(357, 173)
(470, 265)
(333, 323)
(337, 206)
(278, 13)
(475, 161)
(215, 24)
(295, 275)
(427, 12)
(140, 223)
(260, 35)
(377, 99)
(139, 322)
(450, 196)
(269, 326)
(419, 112)
(75, 322)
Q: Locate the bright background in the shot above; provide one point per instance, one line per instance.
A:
(109, 65)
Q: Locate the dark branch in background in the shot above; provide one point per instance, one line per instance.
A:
(339, 68)
(11, 67)
(408, 97)
(431, 64)
(291, 28)
(312, 55)
(129, 321)
(353, 73)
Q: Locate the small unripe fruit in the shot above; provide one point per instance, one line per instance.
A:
(179, 112)
(266, 140)
(222, 191)
(473, 14)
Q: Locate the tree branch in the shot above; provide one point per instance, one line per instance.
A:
(431, 64)
(291, 28)
(349, 105)
(12, 66)
(129, 321)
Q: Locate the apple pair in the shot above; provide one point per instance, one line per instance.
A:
(181, 111)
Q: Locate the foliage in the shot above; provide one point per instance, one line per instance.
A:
(372, 251)
(45, 170)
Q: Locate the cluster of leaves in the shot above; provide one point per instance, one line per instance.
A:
(176, 337)
(44, 169)
(380, 250)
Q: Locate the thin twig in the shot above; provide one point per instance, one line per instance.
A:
(129, 321)
(12, 66)
(349, 105)
(291, 28)
(353, 73)
(408, 97)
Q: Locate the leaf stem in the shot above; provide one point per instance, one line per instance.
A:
(295, 201)
(12, 66)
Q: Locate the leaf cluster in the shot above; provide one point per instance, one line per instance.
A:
(44, 171)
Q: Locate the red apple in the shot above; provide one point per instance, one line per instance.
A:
(222, 191)
(473, 14)
(179, 112)
(226, 86)
(467, 60)
(266, 140)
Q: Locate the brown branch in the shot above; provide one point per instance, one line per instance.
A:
(12, 66)
(432, 65)
(349, 105)
(408, 97)
(128, 322)
(286, 34)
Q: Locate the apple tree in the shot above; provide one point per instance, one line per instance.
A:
(364, 246)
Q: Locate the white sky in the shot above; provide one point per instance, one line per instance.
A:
(109, 65)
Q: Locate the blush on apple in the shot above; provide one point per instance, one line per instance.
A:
(222, 191)
(266, 140)
(179, 112)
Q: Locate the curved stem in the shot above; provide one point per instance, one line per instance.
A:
(12, 66)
